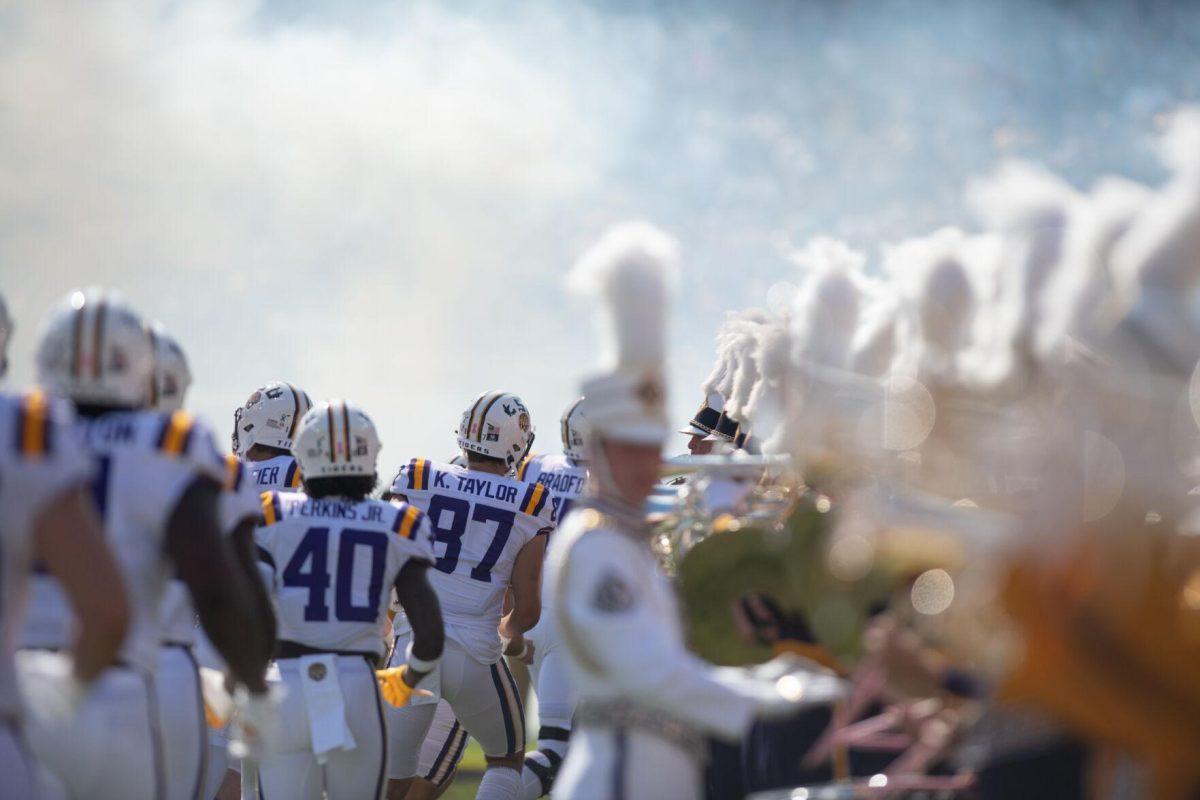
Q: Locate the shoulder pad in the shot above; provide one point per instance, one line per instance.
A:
(524, 466)
(272, 509)
(175, 432)
(534, 499)
(34, 430)
(234, 470)
(408, 521)
(414, 476)
(292, 479)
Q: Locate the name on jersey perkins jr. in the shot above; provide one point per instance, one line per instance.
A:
(334, 509)
(478, 486)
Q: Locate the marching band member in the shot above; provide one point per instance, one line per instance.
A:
(645, 703)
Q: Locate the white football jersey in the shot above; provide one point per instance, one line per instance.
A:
(40, 458)
(279, 474)
(334, 561)
(564, 478)
(145, 461)
(238, 502)
(480, 522)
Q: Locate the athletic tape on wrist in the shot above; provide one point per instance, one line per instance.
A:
(419, 664)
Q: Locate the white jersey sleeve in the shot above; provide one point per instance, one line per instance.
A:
(238, 503)
(480, 522)
(43, 455)
(176, 450)
(563, 477)
(40, 459)
(239, 500)
(145, 461)
(333, 564)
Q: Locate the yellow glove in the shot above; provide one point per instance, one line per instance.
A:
(394, 688)
(213, 719)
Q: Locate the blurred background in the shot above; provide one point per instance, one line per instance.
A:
(379, 199)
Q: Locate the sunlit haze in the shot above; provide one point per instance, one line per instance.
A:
(380, 200)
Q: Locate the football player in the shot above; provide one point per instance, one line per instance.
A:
(442, 750)
(262, 439)
(565, 475)
(490, 531)
(156, 485)
(263, 430)
(48, 515)
(181, 709)
(333, 552)
(644, 702)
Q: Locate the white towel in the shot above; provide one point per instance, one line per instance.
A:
(326, 706)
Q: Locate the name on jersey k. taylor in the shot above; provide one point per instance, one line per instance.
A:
(474, 485)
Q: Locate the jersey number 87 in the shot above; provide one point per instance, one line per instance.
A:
(451, 535)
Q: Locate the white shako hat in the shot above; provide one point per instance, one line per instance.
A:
(631, 270)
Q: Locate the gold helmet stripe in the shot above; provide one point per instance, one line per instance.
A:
(471, 416)
(153, 375)
(295, 410)
(330, 429)
(346, 430)
(483, 416)
(77, 339)
(98, 338)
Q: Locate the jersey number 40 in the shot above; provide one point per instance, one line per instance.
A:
(309, 569)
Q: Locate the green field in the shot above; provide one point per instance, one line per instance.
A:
(463, 788)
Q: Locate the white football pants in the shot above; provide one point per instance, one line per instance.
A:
(292, 771)
(555, 707)
(181, 719)
(443, 747)
(483, 697)
(111, 746)
(16, 765)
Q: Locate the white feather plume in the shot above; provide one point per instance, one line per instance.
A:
(1029, 208)
(632, 269)
(1079, 299)
(825, 309)
(937, 300)
(1155, 263)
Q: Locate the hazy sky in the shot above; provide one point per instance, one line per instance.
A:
(378, 200)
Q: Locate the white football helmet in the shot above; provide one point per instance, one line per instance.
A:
(497, 424)
(6, 327)
(94, 349)
(269, 417)
(336, 439)
(574, 429)
(172, 377)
